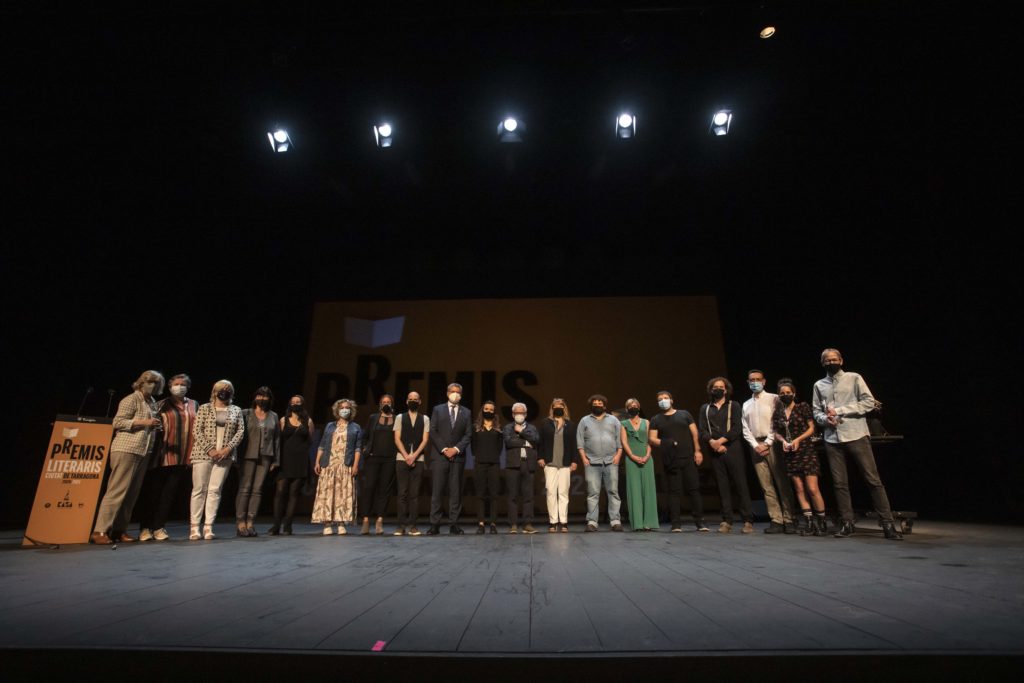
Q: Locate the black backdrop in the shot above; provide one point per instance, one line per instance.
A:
(861, 200)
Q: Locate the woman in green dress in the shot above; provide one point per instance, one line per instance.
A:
(641, 494)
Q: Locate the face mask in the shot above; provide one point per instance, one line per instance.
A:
(597, 411)
(295, 407)
(633, 412)
(224, 395)
(756, 387)
(454, 397)
(488, 415)
(558, 412)
(263, 403)
(519, 418)
(386, 409)
(717, 393)
(832, 368)
(787, 398)
(345, 413)
(179, 390)
(413, 405)
(665, 403)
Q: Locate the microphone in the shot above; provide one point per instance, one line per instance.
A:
(88, 392)
(110, 401)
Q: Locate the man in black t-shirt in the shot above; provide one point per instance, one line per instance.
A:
(674, 433)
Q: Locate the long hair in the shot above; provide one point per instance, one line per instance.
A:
(558, 402)
(302, 413)
(478, 423)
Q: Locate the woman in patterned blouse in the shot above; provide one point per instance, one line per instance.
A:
(793, 424)
(218, 431)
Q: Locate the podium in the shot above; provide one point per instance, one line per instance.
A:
(70, 482)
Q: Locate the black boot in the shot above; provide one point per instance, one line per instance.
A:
(804, 525)
(891, 532)
(819, 524)
(845, 531)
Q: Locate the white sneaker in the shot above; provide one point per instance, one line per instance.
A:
(161, 534)
(145, 535)
(328, 530)
(208, 534)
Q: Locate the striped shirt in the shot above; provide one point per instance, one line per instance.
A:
(176, 446)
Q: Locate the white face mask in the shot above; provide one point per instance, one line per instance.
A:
(179, 390)
(664, 404)
(519, 418)
(345, 413)
(455, 397)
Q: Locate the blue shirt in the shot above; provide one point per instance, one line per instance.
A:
(599, 439)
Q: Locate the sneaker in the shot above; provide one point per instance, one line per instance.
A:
(413, 531)
(845, 531)
(145, 535)
(677, 529)
(159, 535)
(725, 528)
(208, 534)
(513, 529)
(590, 527)
(193, 533)
(342, 530)
(701, 526)
(748, 528)
(528, 529)
(400, 531)
(328, 530)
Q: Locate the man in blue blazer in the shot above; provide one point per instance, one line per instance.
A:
(451, 427)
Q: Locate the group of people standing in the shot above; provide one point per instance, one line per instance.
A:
(155, 443)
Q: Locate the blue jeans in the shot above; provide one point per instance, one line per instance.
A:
(609, 476)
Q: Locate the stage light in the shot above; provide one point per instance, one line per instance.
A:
(280, 141)
(625, 126)
(721, 121)
(383, 134)
(511, 130)
(767, 32)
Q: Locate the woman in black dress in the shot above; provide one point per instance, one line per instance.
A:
(296, 435)
(486, 445)
(793, 424)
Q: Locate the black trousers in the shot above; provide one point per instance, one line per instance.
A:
(732, 465)
(860, 451)
(519, 487)
(446, 474)
(286, 496)
(377, 476)
(486, 481)
(683, 474)
(409, 479)
(158, 489)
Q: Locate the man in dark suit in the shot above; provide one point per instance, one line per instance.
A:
(451, 428)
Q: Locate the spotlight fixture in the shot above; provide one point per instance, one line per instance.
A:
(767, 32)
(280, 141)
(625, 126)
(511, 130)
(721, 121)
(383, 134)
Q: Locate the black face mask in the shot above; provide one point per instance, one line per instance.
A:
(488, 416)
(597, 411)
(263, 404)
(633, 412)
(832, 368)
(386, 409)
(295, 408)
(717, 393)
(224, 395)
(558, 412)
(787, 398)
(413, 405)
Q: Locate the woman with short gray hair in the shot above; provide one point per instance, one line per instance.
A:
(135, 427)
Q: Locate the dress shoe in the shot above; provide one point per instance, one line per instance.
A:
(563, 528)
(891, 532)
(774, 528)
(287, 531)
(725, 528)
(145, 535)
(494, 528)
(378, 528)
(100, 538)
(552, 528)
(748, 528)
(845, 531)
(434, 530)
(274, 531)
(480, 529)
(365, 529)
(455, 530)
(125, 538)
(161, 535)
(677, 529)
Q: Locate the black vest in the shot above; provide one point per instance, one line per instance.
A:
(412, 434)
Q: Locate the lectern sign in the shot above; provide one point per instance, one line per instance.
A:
(69, 485)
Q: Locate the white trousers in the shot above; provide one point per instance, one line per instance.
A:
(556, 483)
(207, 481)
